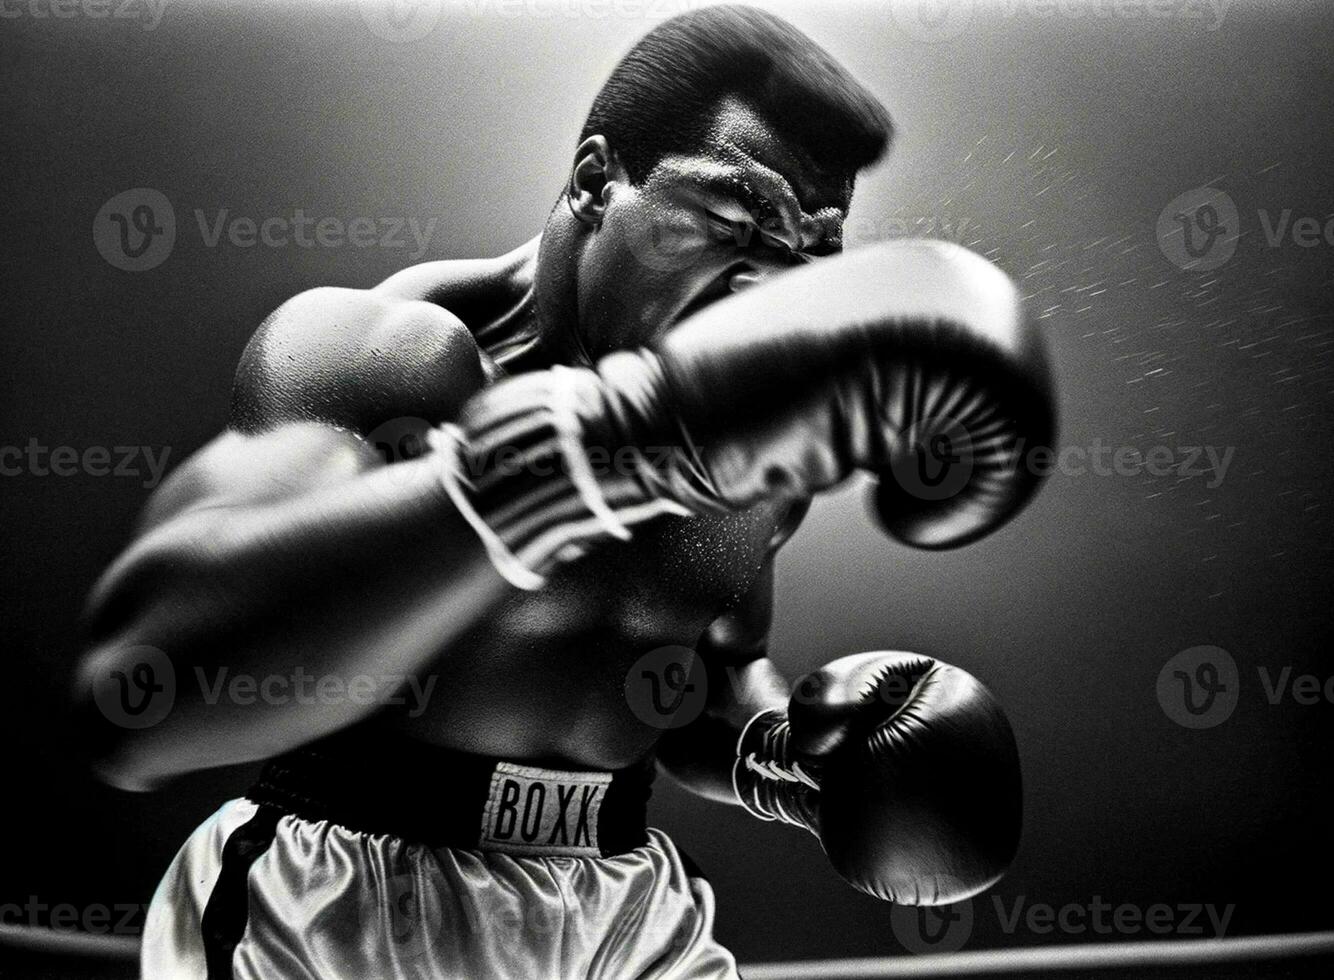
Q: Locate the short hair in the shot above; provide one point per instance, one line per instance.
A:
(659, 97)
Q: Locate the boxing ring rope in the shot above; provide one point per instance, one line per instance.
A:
(1092, 956)
(69, 943)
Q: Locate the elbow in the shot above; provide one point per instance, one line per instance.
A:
(118, 696)
(124, 687)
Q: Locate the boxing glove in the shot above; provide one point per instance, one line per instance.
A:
(903, 766)
(911, 359)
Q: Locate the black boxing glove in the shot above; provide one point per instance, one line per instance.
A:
(903, 766)
(912, 359)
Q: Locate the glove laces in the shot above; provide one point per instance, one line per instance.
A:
(773, 781)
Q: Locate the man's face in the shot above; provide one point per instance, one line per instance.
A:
(746, 205)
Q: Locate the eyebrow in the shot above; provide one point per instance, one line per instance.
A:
(740, 189)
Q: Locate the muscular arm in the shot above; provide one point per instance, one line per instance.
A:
(742, 681)
(287, 546)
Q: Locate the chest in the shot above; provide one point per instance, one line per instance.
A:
(674, 577)
(671, 579)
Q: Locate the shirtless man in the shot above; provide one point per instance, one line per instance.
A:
(621, 421)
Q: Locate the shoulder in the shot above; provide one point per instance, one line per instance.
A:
(354, 358)
(470, 288)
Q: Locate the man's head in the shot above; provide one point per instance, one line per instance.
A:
(722, 148)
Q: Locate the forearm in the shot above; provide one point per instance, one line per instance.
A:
(363, 582)
(701, 755)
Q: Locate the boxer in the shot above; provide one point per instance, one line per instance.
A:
(509, 479)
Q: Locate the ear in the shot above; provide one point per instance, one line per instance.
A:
(595, 169)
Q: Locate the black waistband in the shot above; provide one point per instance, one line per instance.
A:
(377, 781)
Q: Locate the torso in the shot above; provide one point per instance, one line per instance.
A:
(543, 679)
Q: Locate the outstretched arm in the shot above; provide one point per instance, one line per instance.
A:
(288, 548)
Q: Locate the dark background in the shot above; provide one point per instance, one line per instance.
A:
(1068, 614)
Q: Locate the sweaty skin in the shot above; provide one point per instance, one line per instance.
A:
(543, 676)
(289, 545)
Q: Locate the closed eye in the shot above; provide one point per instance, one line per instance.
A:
(742, 233)
(738, 233)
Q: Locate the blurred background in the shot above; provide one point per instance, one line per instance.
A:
(1093, 150)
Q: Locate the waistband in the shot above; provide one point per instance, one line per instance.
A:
(378, 781)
